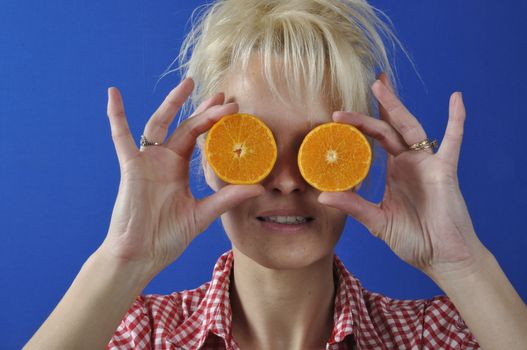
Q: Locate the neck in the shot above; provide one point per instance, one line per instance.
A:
(282, 309)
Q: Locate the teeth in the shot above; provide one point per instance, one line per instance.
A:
(286, 219)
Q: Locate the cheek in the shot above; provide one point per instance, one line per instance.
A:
(336, 220)
(235, 223)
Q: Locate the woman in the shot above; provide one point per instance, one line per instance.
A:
(295, 64)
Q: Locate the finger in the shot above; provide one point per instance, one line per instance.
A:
(184, 137)
(384, 79)
(217, 99)
(378, 129)
(226, 198)
(382, 111)
(365, 212)
(383, 114)
(156, 128)
(396, 114)
(451, 144)
(122, 138)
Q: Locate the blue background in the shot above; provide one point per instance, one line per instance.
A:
(59, 172)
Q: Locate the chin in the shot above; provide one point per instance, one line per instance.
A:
(282, 248)
(283, 257)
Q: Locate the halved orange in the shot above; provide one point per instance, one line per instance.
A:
(240, 149)
(334, 157)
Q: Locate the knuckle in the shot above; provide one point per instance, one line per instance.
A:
(155, 123)
(213, 110)
(393, 108)
(405, 127)
(383, 132)
(386, 130)
(184, 125)
(160, 123)
(379, 135)
(116, 114)
(190, 127)
(175, 102)
(409, 130)
(120, 134)
(456, 133)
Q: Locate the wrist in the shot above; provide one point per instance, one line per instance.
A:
(472, 268)
(486, 301)
(94, 305)
(133, 275)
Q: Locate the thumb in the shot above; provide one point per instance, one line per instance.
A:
(365, 212)
(226, 198)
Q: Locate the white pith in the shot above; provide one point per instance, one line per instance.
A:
(331, 156)
(239, 150)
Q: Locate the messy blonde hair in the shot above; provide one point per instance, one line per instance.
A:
(333, 44)
(332, 48)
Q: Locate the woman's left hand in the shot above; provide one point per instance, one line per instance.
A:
(422, 217)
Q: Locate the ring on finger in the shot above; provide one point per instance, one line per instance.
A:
(144, 142)
(425, 144)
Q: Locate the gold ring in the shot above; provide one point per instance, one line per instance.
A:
(425, 144)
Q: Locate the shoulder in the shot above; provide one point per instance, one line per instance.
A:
(179, 305)
(170, 309)
(155, 313)
(182, 317)
(435, 321)
(439, 307)
(398, 323)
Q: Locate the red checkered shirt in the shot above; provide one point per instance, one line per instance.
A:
(201, 318)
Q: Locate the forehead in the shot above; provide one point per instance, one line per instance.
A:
(250, 89)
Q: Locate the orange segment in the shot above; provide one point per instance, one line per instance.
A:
(240, 149)
(334, 157)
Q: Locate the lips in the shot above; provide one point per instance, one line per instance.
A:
(285, 217)
(286, 220)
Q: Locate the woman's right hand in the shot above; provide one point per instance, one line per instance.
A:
(155, 216)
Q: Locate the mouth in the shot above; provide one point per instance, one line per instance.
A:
(286, 220)
(286, 224)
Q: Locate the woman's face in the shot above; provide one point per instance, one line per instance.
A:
(249, 226)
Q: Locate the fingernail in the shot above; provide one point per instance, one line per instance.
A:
(377, 82)
(187, 80)
(337, 113)
(323, 198)
(459, 98)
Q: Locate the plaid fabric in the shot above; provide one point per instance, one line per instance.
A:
(201, 319)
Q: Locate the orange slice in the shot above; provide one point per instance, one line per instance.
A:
(334, 157)
(240, 149)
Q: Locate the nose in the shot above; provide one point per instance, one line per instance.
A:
(285, 178)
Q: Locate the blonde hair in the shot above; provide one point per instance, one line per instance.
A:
(333, 42)
(329, 47)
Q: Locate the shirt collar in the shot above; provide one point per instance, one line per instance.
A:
(214, 314)
(348, 303)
